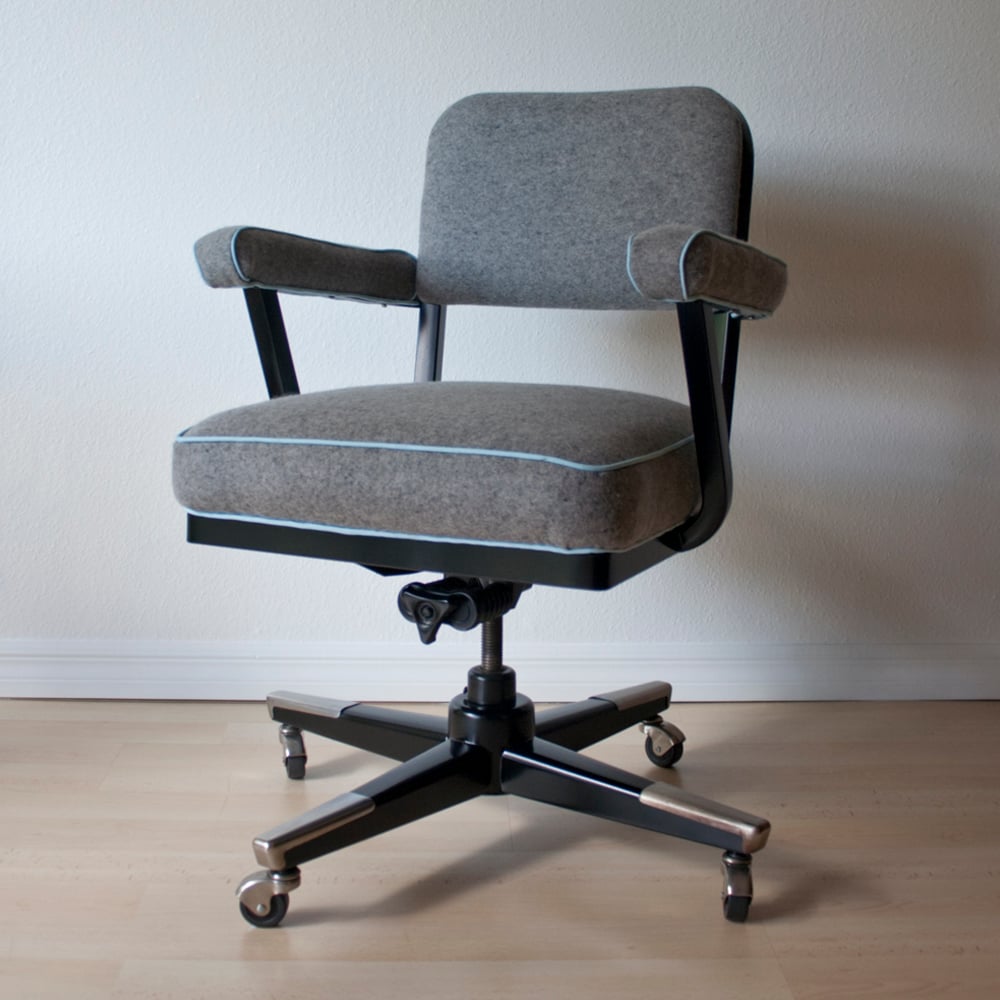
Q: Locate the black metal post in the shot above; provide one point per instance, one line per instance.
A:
(272, 342)
(430, 343)
(710, 424)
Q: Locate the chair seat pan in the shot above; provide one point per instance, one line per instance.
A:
(556, 467)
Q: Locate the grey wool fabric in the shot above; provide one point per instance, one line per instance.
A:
(246, 256)
(531, 465)
(676, 263)
(531, 199)
(612, 200)
(548, 200)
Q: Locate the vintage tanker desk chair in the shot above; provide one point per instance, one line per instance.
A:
(615, 201)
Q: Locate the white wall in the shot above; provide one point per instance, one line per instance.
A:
(861, 555)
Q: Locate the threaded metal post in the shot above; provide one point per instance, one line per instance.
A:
(492, 640)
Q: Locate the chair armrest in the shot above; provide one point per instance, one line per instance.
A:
(248, 257)
(675, 263)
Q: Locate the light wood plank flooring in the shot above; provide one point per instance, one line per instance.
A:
(125, 827)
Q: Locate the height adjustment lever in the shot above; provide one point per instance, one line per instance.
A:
(430, 605)
(462, 604)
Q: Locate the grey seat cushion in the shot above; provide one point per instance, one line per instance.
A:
(560, 467)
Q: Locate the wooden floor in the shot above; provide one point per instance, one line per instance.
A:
(126, 827)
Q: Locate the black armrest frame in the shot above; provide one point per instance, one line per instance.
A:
(272, 342)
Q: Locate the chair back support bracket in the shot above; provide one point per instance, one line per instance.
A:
(430, 343)
(710, 424)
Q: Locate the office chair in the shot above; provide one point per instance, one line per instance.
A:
(616, 201)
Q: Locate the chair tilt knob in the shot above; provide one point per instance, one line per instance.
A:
(462, 604)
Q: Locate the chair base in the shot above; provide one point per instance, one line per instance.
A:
(492, 742)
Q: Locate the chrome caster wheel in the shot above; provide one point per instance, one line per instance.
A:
(271, 916)
(664, 742)
(295, 751)
(737, 890)
(295, 768)
(736, 909)
(263, 896)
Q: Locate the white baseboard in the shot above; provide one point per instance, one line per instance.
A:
(724, 671)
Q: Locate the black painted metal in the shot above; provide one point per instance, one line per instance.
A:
(493, 729)
(437, 779)
(732, 342)
(711, 427)
(430, 343)
(491, 688)
(585, 723)
(746, 184)
(490, 748)
(458, 602)
(272, 341)
(550, 773)
(389, 732)
(579, 725)
(584, 571)
(730, 356)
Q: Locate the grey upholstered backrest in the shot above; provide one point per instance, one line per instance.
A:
(530, 199)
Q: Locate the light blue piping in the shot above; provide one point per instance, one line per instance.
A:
(628, 267)
(232, 254)
(680, 264)
(438, 449)
(683, 254)
(335, 529)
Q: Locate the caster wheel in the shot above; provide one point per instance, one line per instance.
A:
(295, 768)
(295, 751)
(272, 917)
(736, 908)
(664, 742)
(666, 759)
(737, 890)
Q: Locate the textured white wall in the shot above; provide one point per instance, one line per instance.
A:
(867, 444)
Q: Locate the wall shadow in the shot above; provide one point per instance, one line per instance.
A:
(867, 438)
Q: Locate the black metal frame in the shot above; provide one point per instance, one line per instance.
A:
(390, 556)
(272, 341)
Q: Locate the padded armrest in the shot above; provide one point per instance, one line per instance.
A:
(247, 257)
(675, 263)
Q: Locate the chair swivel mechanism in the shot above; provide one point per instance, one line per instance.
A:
(633, 200)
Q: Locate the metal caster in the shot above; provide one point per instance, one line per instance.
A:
(737, 890)
(271, 917)
(263, 896)
(664, 742)
(295, 751)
